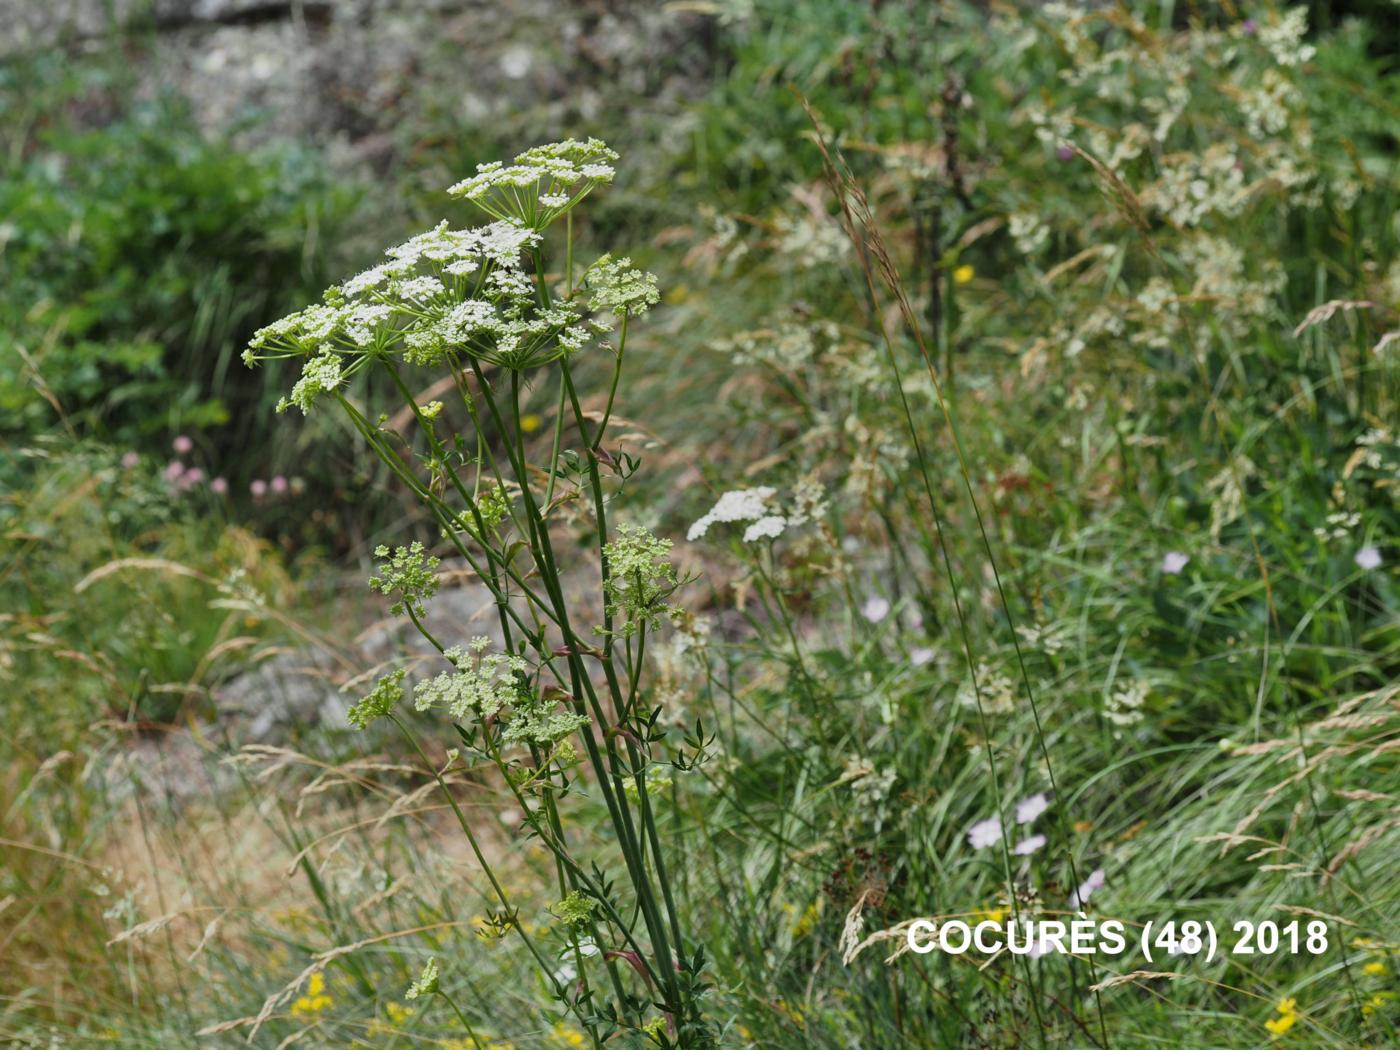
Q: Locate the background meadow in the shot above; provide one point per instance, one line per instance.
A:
(1013, 461)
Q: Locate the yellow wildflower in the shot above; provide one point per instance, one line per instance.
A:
(963, 274)
(1376, 969)
(315, 1000)
(808, 919)
(1376, 1001)
(1286, 1019)
(568, 1035)
(530, 422)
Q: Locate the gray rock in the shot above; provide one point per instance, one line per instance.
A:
(294, 689)
(341, 71)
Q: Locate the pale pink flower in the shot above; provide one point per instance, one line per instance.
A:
(1173, 562)
(875, 608)
(258, 487)
(279, 484)
(130, 460)
(1029, 845)
(173, 470)
(1030, 808)
(984, 833)
(219, 486)
(190, 478)
(1087, 888)
(182, 445)
(1368, 558)
(920, 655)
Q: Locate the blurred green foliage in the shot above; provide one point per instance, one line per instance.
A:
(138, 252)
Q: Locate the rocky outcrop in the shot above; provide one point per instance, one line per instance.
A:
(355, 71)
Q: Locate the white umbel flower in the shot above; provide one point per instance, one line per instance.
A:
(736, 505)
(768, 527)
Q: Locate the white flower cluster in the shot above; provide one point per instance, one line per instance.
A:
(491, 685)
(1193, 187)
(1030, 232)
(1283, 37)
(1378, 450)
(870, 788)
(786, 347)
(1157, 313)
(1124, 706)
(1266, 107)
(618, 288)
(483, 683)
(1218, 266)
(1118, 148)
(542, 184)
(443, 291)
(467, 292)
(538, 721)
(998, 693)
(1052, 127)
(640, 577)
(320, 375)
(755, 505)
(759, 507)
(1338, 526)
(1047, 638)
(811, 240)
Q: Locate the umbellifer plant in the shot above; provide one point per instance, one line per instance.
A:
(481, 310)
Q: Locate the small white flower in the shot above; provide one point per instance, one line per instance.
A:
(984, 833)
(1029, 845)
(920, 655)
(1368, 558)
(1030, 808)
(875, 608)
(1087, 888)
(1173, 562)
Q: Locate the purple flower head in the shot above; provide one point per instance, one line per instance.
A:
(1064, 152)
(279, 484)
(1249, 27)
